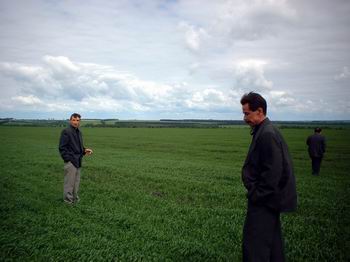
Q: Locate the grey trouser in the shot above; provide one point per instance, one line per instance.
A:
(71, 182)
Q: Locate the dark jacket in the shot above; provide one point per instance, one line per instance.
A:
(317, 145)
(71, 146)
(267, 172)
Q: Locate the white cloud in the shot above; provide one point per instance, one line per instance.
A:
(64, 78)
(63, 84)
(281, 98)
(31, 102)
(61, 64)
(345, 73)
(250, 75)
(194, 36)
(28, 100)
(210, 99)
(281, 101)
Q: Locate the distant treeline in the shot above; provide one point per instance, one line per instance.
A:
(5, 120)
(168, 123)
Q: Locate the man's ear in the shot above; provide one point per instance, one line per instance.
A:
(260, 111)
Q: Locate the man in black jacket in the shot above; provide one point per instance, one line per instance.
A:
(72, 149)
(268, 177)
(317, 147)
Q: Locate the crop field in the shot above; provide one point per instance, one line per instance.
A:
(161, 194)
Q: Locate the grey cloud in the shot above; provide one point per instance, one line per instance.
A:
(233, 21)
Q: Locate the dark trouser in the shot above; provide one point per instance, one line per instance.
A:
(262, 236)
(316, 165)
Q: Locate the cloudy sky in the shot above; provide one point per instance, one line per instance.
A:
(179, 59)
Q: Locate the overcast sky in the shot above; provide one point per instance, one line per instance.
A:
(154, 59)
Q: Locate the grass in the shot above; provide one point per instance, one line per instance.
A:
(161, 195)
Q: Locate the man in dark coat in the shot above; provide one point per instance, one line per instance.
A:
(72, 149)
(317, 147)
(268, 176)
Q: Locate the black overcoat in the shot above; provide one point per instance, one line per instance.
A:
(317, 145)
(267, 172)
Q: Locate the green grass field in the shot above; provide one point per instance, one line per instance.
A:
(168, 194)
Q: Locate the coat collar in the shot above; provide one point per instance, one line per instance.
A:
(257, 129)
(256, 133)
(73, 128)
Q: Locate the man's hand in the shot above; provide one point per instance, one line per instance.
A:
(88, 151)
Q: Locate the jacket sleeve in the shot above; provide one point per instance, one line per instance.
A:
(270, 169)
(64, 146)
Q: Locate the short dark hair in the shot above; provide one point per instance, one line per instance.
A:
(75, 115)
(254, 100)
(317, 130)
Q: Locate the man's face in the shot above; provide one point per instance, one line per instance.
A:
(75, 122)
(252, 118)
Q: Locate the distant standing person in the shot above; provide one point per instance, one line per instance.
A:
(268, 176)
(317, 147)
(72, 149)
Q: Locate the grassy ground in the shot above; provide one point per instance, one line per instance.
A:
(161, 195)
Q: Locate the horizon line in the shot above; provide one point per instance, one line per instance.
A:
(171, 119)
